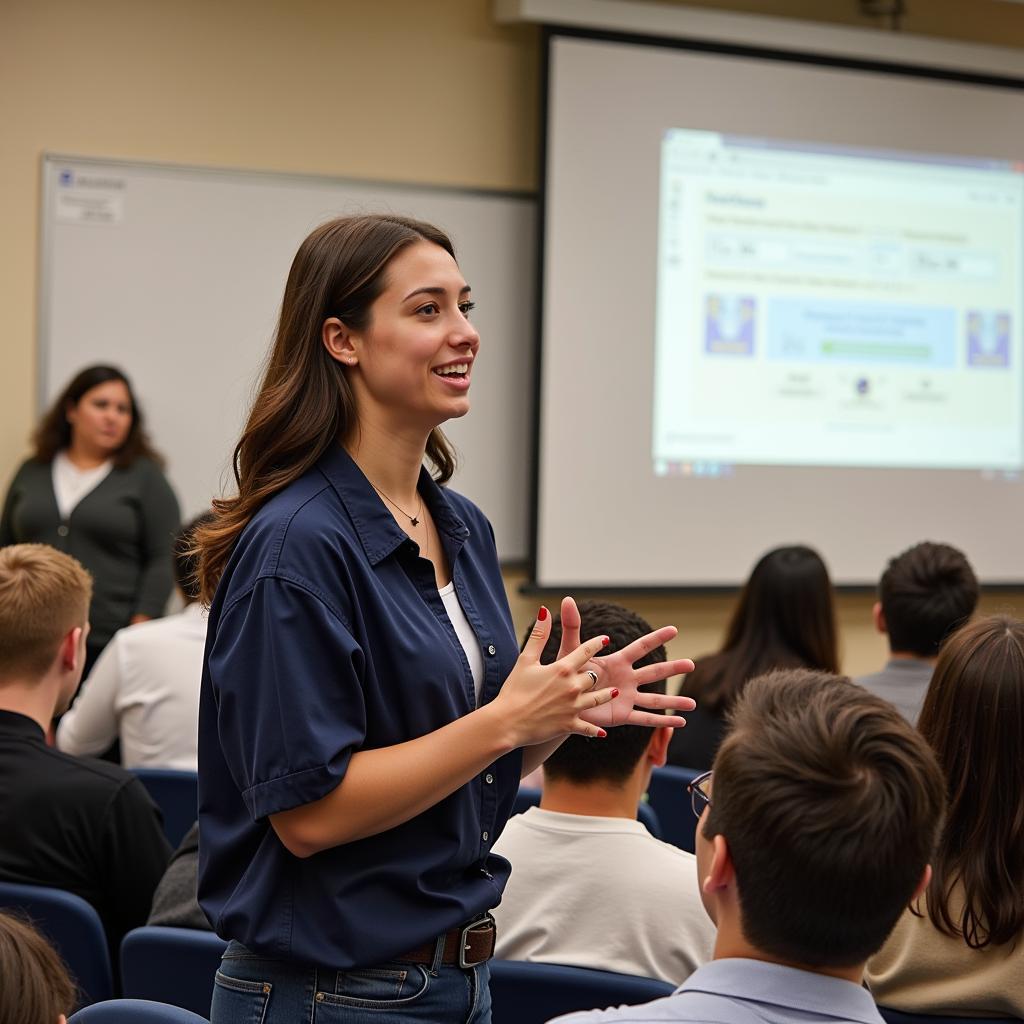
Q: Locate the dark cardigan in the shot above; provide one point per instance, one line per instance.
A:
(122, 532)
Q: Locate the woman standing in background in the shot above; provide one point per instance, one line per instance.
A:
(94, 488)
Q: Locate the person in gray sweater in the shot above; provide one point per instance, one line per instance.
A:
(94, 488)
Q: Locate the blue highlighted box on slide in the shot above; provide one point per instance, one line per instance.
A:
(820, 331)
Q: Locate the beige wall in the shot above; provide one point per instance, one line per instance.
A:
(411, 90)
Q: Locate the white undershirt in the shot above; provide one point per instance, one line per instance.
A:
(464, 631)
(71, 484)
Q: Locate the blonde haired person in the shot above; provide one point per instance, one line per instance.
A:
(34, 983)
(85, 826)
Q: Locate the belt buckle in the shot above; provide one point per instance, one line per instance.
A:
(464, 946)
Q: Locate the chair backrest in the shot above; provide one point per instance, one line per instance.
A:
(528, 797)
(529, 993)
(73, 928)
(902, 1017)
(135, 1011)
(671, 802)
(146, 954)
(177, 796)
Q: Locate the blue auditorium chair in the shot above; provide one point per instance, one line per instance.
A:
(195, 955)
(135, 1011)
(529, 993)
(176, 794)
(528, 797)
(668, 796)
(73, 927)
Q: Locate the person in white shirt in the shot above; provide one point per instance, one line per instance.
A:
(648, 919)
(144, 688)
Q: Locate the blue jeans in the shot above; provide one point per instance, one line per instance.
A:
(253, 989)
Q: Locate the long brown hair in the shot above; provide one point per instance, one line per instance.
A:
(785, 618)
(36, 984)
(53, 434)
(305, 403)
(973, 718)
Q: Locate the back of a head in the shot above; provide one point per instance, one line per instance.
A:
(186, 557)
(925, 593)
(34, 983)
(43, 594)
(830, 803)
(784, 618)
(579, 759)
(973, 718)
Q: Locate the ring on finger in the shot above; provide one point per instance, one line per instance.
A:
(593, 678)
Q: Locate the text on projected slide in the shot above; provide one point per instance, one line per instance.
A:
(835, 306)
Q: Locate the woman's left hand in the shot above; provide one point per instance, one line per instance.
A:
(616, 670)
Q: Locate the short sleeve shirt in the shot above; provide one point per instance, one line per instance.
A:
(327, 635)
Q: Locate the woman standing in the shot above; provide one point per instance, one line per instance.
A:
(364, 710)
(94, 488)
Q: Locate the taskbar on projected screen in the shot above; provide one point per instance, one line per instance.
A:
(706, 469)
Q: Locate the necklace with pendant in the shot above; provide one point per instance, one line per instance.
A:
(415, 520)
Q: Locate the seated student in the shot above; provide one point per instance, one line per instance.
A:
(562, 852)
(815, 831)
(35, 987)
(784, 618)
(924, 594)
(175, 903)
(960, 950)
(144, 688)
(85, 826)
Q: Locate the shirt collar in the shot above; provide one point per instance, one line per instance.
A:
(762, 982)
(376, 528)
(14, 723)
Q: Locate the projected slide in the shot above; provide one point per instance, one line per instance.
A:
(835, 306)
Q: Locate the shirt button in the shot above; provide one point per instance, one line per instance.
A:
(62, 530)
(485, 836)
(488, 778)
(491, 650)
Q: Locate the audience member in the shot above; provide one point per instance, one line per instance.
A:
(816, 828)
(144, 688)
(561, 852)
(35, 987)
(85, 826)
(962, 953)
(924, 594)
(175, 904)
(785, 618)
(94, 488)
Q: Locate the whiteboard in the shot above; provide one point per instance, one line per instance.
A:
(176, 275)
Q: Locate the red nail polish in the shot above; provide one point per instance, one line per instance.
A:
(601, 734)
(605, 641)
(615, 694)
(542, 614)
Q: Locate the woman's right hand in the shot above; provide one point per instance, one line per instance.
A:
(541, 702)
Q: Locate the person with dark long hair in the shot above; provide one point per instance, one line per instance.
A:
(94, 487)
(784, 618)
(365, 714)
(962, 952)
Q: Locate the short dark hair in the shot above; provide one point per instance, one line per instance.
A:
(830, 802)
(580, 759)
(972, 718)
(186, 557)
(926, 592)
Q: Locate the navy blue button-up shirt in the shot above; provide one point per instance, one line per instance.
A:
(327, 635)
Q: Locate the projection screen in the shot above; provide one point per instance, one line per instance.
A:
(781, 303)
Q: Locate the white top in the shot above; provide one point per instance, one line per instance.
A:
(71, 484)
(601, 893)
(464, 631)
(144, 688)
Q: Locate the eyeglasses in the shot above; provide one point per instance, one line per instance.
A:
(699, 796)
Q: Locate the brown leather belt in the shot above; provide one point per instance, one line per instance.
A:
(467, 946)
